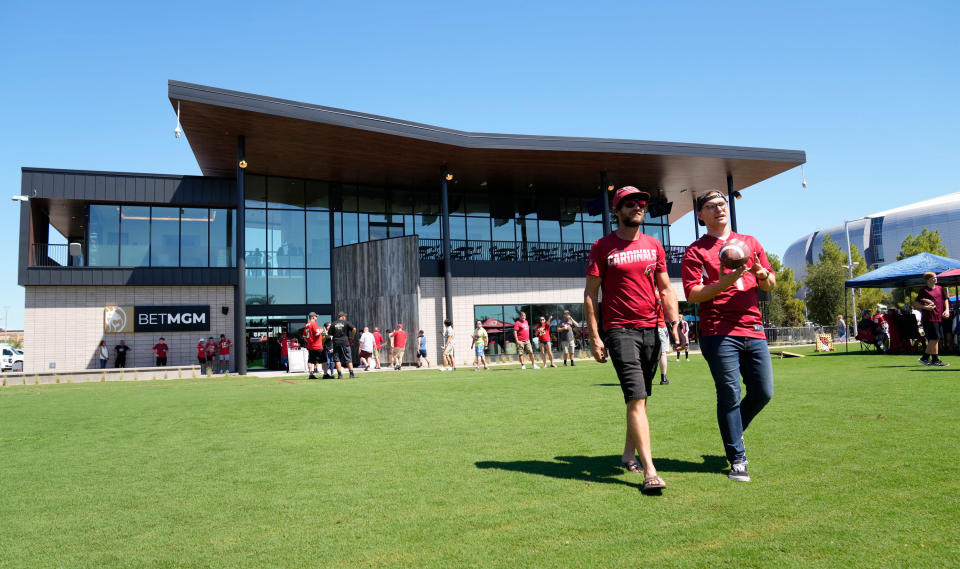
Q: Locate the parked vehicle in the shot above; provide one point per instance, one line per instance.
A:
(11, 358)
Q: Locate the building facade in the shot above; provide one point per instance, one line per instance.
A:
(305, 208)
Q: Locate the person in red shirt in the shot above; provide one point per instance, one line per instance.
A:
(933, 302)
(202, 354)
(546, 344)
(160, 350)
(732, 338)
(521, 333)
(399, 344)
(284, 352)
(377, 345)
(630, 268)
(211, 350)
(224, 354)
(314, 336)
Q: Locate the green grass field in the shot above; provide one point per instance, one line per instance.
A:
(855, 463)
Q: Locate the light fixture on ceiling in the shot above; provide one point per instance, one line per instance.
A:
(737, 195)
(448, 176)
(20, 198)
(178, 131)
(610, 188)
(242, 164)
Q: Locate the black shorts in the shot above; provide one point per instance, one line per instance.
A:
(203, 359)
(161, 361)
(341, 353)
(933, 330)
(635, 353)
(315, 357)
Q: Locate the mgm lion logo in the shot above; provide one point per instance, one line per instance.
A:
(114, 319)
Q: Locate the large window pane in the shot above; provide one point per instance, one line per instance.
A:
(478, 228)
(256, 286)
(255, 190)
(194, 228)
(318, 195)
(318, 287)
(255, 236)
(350, 230)
(458, 227)
(222, 235)
(104, 236)
(427, 226)
(363, 227)
(285, 239)
(165, 237)
(571, 231)
(503, 230)
(318, 239)
(284, 193)
(134, 236)
(549, 231)
(592, 231)
(527, 228)
(371, 200)
(286, 286)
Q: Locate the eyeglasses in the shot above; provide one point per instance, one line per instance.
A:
(630, 204)
(715, 206)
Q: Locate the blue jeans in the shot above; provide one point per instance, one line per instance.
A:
(729, 357)
(103, 364)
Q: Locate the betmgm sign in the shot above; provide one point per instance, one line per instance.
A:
(126, 319)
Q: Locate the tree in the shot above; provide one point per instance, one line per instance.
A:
(827, 295)
(927, 242)
(780, 311)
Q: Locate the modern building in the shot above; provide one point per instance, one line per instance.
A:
(879, 235)
(307, 208)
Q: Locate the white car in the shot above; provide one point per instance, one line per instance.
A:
(11, 358)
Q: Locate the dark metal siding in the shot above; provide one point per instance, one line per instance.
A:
(139, 276)
(120, 187)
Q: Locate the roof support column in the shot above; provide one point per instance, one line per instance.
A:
(240, 291)
(445, 211)
(696, 220)
(606, 202)
(732, 201)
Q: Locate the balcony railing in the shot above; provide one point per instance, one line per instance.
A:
(53, 255)
(469, 250)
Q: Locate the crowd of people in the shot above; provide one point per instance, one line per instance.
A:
(213, 355)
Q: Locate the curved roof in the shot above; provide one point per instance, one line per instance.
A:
(290, 138)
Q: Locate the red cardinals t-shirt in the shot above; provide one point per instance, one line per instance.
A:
(201, 349)
(627, 269)
(314, 336)
(399, 339)
(225, 347)
(285, 347)
(543, 333)
(161, 350)
(522, 329)
(735, 311)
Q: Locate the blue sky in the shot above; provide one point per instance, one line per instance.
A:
(868, 89)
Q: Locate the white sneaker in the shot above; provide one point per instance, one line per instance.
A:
(535, 366)
(523, 367)
(443, 369)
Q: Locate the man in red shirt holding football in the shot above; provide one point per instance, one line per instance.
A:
(933, 302)
(314, 336)
(723, 272)
(630, 268)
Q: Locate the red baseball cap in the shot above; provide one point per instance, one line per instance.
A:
(376, 328)
(629, 191)
(399, 326)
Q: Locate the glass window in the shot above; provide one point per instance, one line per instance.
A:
(104, 248)
(349, 198)
(478, 228)
(134, 236)
(284, 193)
(401, 201)
(363, 227)
(592, 231)
(255, 190)
(318, 239)
(571, 231)
(379, 230)
(549, 231)
(350, 230)
(286, 286)
(371, 200)
(527, 228)
(428, 226)
(408, 225)
(165, 237)
(318, 287)
(318, 195)
(223, 224)
(255, 234)
(458, 227)
(194, 233)
(476, 203)
(285, 239)
(503, 230)
(256, 286)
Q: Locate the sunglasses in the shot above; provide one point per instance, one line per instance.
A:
(630, 204)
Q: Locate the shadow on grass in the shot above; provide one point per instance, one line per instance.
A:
(603, 469)
(934, 369)
(606, 385)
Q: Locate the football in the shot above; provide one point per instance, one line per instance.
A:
(734, 254)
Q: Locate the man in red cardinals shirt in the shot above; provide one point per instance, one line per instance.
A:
(933, 301)
(160, 350)
(314, 336)
(223, 346)
(630, 268)
(377, 345)
(732, 338)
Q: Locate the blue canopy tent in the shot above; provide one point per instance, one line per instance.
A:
(905, 273)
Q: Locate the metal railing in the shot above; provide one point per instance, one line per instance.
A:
(797, 335)
(471, 250)
(53, 255)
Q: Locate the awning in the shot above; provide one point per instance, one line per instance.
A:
(905, 273)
